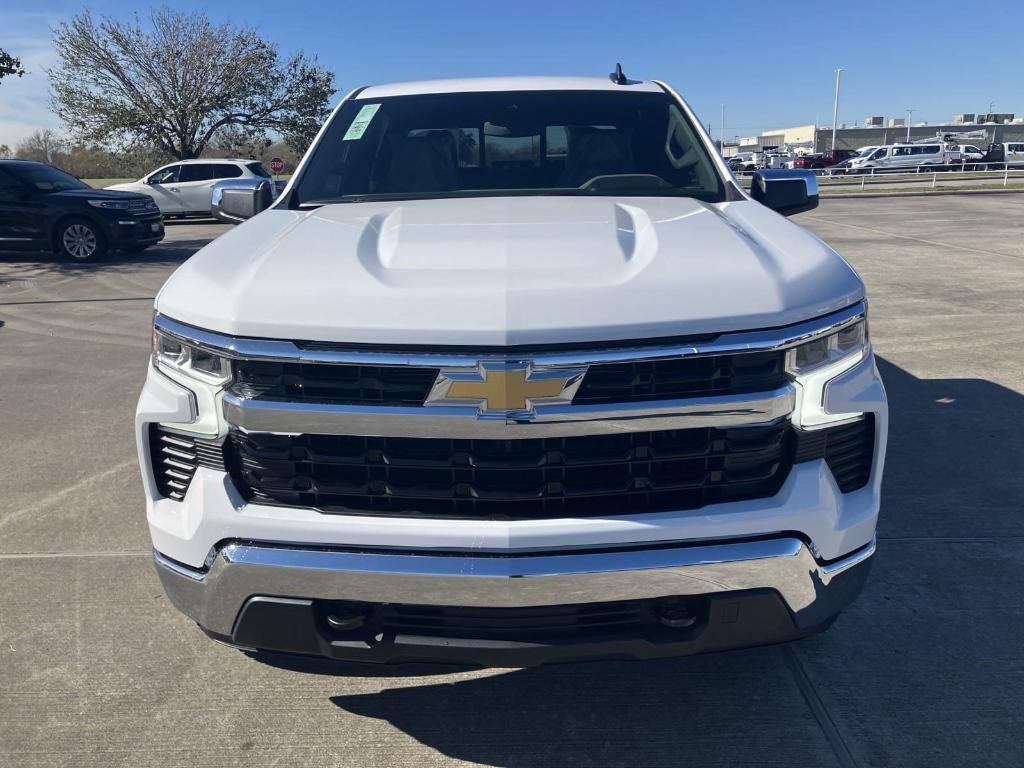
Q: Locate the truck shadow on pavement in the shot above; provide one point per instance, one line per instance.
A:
(950, 440)
(15, 265)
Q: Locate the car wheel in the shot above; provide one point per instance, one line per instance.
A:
(80, 240)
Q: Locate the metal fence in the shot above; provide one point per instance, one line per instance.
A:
(966, 175)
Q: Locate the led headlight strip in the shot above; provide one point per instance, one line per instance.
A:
(815, 363)
(170, 352)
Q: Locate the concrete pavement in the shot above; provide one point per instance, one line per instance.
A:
(97, 669)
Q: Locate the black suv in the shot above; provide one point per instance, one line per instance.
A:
(43, 208)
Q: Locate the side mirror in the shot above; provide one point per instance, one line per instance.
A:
(235, 200)
(785, 191)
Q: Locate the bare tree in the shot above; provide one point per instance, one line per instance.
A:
(177, 83)
(5, 152)
(10, 65)
(44, 146)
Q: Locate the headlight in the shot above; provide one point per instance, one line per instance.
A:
(847, 345)
(815, 363)
(196, 362)
(116, 205)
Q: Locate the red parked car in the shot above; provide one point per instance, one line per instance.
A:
(824, 159)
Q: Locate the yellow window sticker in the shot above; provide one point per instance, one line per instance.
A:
(361, 123)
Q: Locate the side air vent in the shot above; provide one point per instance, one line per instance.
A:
(175, 457)
(848, 449)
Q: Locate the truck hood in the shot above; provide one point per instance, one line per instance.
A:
(504, 271)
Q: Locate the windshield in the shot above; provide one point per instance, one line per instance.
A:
(509, 143)
(46, 179)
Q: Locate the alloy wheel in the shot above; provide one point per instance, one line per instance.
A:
(80, 241)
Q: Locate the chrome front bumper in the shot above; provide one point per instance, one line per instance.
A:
(812, 591)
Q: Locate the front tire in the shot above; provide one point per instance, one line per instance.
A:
(80, 240)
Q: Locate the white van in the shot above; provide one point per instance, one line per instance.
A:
(906, 156)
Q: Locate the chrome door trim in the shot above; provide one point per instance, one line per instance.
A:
(733, 342)
(467, 422)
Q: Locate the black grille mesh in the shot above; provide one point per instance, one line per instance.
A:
(603, 383)
(848, 449)
(513, 479)
(521, 624)
(342, 384)
(682, 377)
(175, 457)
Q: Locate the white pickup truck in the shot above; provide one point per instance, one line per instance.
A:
(513, 371)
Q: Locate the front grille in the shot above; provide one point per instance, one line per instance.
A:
(513, 479)
(547, 623)
(341, 384)
(848, 449)
(175, 457)
(604, 382)
(141, 206)
(682, 377)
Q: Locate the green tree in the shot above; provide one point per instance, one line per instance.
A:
(10, 66)
(179, 81)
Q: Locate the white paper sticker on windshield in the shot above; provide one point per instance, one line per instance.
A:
(361, 123)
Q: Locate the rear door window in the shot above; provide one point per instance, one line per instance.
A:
(258, 170)
(11, 190)
(196, 172)
(226, 171)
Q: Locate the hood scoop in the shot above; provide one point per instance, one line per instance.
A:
(522, 241)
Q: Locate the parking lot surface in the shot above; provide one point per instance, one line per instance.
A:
(926, 669)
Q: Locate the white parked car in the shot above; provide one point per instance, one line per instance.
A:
(514, 371)
(185, 188)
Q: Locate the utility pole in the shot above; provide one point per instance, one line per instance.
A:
(835, 110)
(910, 114)
(721, 144)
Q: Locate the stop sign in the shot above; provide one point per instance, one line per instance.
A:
(276, 164)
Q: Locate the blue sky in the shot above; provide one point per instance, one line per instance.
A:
(939, 58)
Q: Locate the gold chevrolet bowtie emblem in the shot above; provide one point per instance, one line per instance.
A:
(504, 387)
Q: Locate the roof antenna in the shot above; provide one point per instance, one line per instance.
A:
(617, 77)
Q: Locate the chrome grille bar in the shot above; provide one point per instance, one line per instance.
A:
(283, 350)
(545, 421)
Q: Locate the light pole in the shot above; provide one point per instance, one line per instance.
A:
(910, 114)
(835, 110)
(721, 144)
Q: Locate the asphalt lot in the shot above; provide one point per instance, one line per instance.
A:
(926, 669)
